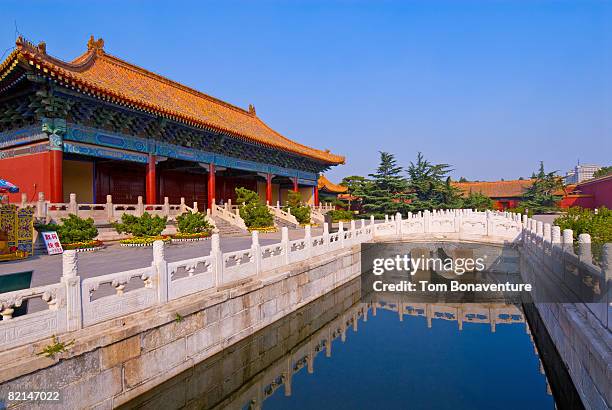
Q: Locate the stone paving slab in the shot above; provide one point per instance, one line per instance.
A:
(47, 269)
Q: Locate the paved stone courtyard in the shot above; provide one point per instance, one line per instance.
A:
(114, 258)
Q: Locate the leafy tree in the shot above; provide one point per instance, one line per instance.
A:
(72, 229)
(541, 196)
(463, 179)
(386, 191)
(254, 213)
(193, 222)
(145, 225)
(431, 186)
(603, 172)
(297, 208)
(478, 201)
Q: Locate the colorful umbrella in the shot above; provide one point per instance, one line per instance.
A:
(6, 186)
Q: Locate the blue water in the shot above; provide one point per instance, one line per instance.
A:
(391, 364)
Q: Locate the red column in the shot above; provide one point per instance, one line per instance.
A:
(151, 182)
(295, 184)
(316, 195)
(57, 189)
(211, 185)
(269, 189)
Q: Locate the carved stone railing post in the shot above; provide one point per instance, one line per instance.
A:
(556, 235)
(458, 220)
(110, 213)
(183, 207)
(285, 243)
(41, 207)
(215, 252)
(325, 233)
(584, 248)
(195, 207)
(160, 270)
(308, 240)
(72, 205)
(398, 224)
(166, 206)
(426, 217)
(140, 207)
(72, 282)
(371, 220)
(256, 252)
(24, 200)
(341, 233)
(568, 240)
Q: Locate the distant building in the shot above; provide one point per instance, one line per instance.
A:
(505, 194)
(581, 172)
(592, 193)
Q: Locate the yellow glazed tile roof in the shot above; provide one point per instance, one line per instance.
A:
(108, 77)
(326, 185)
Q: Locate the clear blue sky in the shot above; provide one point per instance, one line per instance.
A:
(491, 87)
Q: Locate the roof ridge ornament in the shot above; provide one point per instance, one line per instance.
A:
(252, 109)
(95, 45)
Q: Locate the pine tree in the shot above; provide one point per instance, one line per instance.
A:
(431, 186)
(385, 193)
(541, 196)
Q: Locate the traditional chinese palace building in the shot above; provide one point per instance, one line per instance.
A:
(99, 125)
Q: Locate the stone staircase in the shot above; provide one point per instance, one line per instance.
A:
(227, 229)
(281, 222)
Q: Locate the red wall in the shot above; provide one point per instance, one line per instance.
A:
(600, 189)
(30, 173)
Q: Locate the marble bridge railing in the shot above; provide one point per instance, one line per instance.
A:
(571, 266)
(103, 213)
(76, 303)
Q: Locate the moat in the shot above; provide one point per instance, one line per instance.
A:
(338, 352)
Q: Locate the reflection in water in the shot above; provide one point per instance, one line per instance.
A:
(398, 355)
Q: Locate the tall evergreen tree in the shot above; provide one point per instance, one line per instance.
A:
(431, 186)
(385, 193)
(541, 196)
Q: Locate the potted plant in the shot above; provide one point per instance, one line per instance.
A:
(75, 233)
(144, 229)
(297, 208)
(256, 215)
(192, 226)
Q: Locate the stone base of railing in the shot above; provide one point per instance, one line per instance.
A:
(119, 359)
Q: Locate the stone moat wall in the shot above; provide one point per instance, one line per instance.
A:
(118, 360)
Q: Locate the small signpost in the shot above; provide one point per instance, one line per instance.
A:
(52, 243)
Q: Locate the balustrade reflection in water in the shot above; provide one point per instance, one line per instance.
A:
(393, 347)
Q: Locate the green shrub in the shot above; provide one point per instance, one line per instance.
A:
(195, 222)
(582, 220)
(341, 215)
(296, 207)
(72, 229)
(145, 225)
(254, 213)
